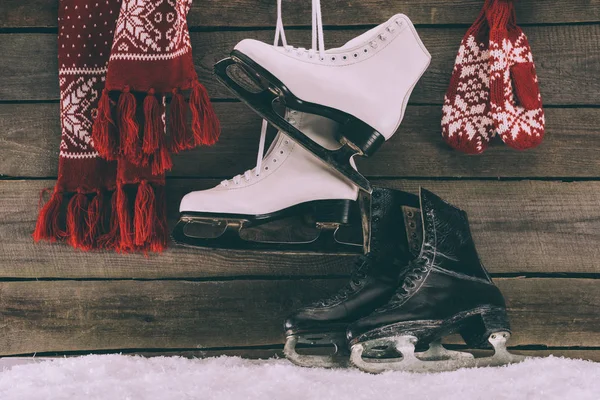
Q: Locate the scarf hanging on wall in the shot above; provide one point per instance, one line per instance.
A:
(124, 67)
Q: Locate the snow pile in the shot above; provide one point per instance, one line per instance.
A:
(116, 377)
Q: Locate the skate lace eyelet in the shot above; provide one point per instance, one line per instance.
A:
(332, 58)
(345, 57)
(366, 50)
(281, 152)
(355, 55)
(287, 142)
(266, 168)
(274, 160)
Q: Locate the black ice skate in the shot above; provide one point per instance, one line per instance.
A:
(364, 85)
(396, 238)
(445, 290)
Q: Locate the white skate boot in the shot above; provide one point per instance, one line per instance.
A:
(288, 183)
(363, 85)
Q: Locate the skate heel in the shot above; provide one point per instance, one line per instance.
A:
(334, 212)
(361, 137)
(477, 329)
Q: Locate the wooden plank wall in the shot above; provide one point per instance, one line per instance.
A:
(535, 215)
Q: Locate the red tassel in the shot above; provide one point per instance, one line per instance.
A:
(177, 123)
(125, 220)
(48, 225)
(160, 237)
(77, 212)
(111, 239)
(103, 130)
(94, 219)
(152, 123)
(144, 214)
(205, 124)
(161, 161)
(128, 127)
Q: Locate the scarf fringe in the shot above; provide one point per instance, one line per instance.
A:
(48, 225)
(104, 130)
(129, 129)
(205, 124)
(77, 222)
(180, 139)
(134, 219)
(153, 130)
(149, 145)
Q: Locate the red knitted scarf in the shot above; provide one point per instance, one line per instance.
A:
(119, 63)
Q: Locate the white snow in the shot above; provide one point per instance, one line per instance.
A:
(119, 377)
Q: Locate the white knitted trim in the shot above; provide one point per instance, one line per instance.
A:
(64, 154)
(150, 57)
(83, 71)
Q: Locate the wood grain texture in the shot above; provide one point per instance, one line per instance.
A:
(30, 138)
(566, 59)
(276, 352)
(84, 315)
(519, 227)
(216, 13)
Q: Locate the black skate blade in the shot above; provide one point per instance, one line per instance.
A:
(295, 229)
(325, 242)
(262, 104)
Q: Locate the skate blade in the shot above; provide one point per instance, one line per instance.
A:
(436, 359)
(260, 96)
(239, 234)
(339, 359)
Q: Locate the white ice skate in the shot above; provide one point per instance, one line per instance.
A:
(253, 210)
(363, 85)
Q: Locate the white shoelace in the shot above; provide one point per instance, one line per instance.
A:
(318, 44)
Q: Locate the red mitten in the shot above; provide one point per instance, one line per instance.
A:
(466, 116)
(515, 95)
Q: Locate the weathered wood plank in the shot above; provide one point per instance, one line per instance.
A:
(215, 13)
(277, 353)
(87, 315)
(566, 58)
(519, 227)
(30, 137)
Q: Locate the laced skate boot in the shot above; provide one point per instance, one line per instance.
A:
(364, 85)
(445, 290)
(290, 201)
(396, 238)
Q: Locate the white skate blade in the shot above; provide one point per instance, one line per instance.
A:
(313, 361)
(433, 360)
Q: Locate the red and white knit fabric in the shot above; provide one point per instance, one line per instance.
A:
(466, 115)
(110, 203)
(494, 57)
(151, 57)
(518, 115)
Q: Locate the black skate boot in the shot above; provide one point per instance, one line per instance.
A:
(395, 240)
(445, 290)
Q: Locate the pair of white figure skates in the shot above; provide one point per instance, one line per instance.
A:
(328, 106)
